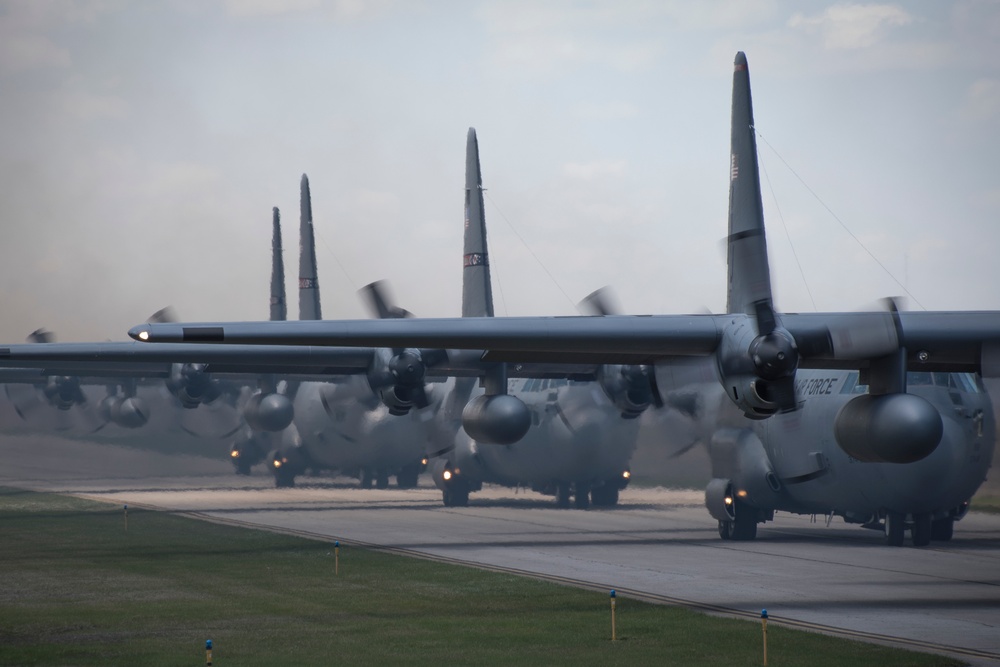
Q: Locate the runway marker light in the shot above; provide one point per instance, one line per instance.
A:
(208, 653)
(763, 623)
(614, 635)
(336, 557)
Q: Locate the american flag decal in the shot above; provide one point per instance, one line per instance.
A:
(307, 283)
(474, 259)
(734, 169)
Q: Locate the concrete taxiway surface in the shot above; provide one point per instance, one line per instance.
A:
(659, 544)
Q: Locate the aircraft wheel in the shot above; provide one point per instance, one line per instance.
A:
(894, 529)
(284, 479)
(407, 477)
(366, 478)
(562, 495)
(942, 529)
(582, 495)
(242, 467)
(726, 530)
(461, 498)
(744, 528)
(921, 530)
(604, 496)
(381, 479)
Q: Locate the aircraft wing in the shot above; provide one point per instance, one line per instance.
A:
(30, 363)
(942, 340)
(115, 359)
(609, 339)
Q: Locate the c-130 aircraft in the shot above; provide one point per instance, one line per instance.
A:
(880, 418)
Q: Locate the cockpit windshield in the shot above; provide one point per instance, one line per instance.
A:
(957, 381)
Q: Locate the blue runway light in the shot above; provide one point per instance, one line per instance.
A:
(612, 592)
(208, 645)
(763, 613)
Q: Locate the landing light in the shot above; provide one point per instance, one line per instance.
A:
(627, 475)
(446, 475)
(235, 453)
(143, 335)
(741, 493)
(277, 464)
(728, 500)
(423, 461)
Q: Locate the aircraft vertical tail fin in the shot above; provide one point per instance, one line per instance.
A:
(279, 307)
(309, 304)
(477, 292)
(749, 286)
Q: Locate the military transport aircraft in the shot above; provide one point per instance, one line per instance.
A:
(369, 419)
(823, 418)
(580, 439)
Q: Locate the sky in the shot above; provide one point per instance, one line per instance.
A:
(143, 145)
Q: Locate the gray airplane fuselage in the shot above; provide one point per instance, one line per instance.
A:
(792, 461)
(576, 435)
(342, 426)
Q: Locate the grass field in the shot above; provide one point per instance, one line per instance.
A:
(985, 503)
(78, 590)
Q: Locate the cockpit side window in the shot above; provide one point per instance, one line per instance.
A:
(851, 385)
(967, 381)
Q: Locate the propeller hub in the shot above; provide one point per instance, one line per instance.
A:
(774, 355)
(407, 368)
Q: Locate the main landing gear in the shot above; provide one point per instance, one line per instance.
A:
(923, 529)
(743, 526)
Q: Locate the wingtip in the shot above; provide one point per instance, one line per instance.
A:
(740, 63)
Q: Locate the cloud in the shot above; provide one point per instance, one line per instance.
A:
(982, 100)
(852, 26)
(255, 8)
(340, 9)
(22, 52)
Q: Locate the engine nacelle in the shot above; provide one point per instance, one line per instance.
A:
(64, 392)
(496, 420)
(888, 428)
(628, 387)
(750, 395)
(131, 412)
(268, 412)
(192, 385)
(720, 500)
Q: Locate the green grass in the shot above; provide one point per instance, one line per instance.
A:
(985, 503)
(78, 590)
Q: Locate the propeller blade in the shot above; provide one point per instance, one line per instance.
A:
(41, 336)
(380, 303)
(165, 315)
(601, 301)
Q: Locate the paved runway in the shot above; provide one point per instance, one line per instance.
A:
(658, 544)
